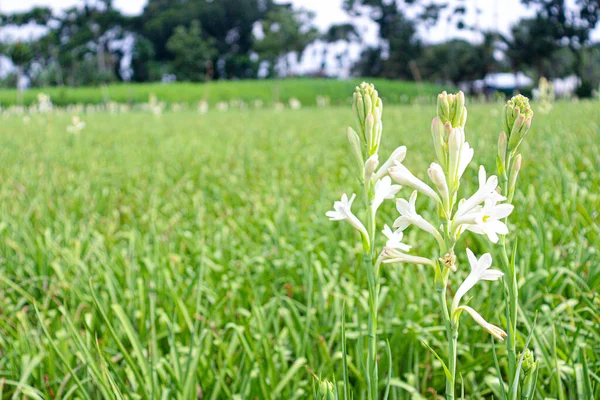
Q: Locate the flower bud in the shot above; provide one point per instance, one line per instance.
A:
(501, 159)
(529, 369)
(396, 156)
(456, 139)
(528, 361)
(326, 390)
(437, 176)
(451, 108)
(516, 120)
(370, 167)
(366, 102)
(355, 146)
(440, 141)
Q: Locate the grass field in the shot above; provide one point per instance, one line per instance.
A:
(267, 91)
(185, 256)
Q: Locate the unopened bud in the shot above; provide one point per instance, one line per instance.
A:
(355, 147)
(439, 141)
(501, 160)
(516, 120)
(396, 156)
(326, 390)
(366, 101)
(528, 360)
(529, 375)
(437, 176)
(451, 108)
(456, 139)
(370, 167)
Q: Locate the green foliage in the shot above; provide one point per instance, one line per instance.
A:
(188, 256)
(284, 31)
(193, 53)
(268, 91)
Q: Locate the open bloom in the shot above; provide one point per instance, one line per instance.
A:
(397, 155)
(480, 271)
(487, 190)
(384, 190)
(342, 212)
(395, 239)
(409, 216)
(488, 220)
(403, 176)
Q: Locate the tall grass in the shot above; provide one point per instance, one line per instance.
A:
(268, 91)
(188, 256)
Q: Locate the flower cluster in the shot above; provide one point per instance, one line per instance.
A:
(483, 212)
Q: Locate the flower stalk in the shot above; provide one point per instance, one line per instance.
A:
(516, 120)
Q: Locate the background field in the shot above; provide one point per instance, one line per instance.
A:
(187, 256)
(268, 91)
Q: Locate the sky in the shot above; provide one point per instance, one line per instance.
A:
(493, 14)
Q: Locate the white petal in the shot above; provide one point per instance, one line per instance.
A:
(502, 210)
(491, 275)
(485, 261)
(472, 259)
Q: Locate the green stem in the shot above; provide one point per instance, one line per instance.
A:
(451, 333)
(512, 315)
(372, 271)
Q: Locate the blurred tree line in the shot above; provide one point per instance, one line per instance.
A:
(197, 40)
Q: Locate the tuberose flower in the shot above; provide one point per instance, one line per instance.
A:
(395, 239)
(480, 271)
(384, 190)
(487, 190)
(409, 216)
(488, 222)
(342, 212)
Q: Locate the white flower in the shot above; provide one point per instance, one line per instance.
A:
(391, 255)
(409, 216)
(384, 190)
(480, 271)
(395, 239)
(397, 155)
(370, 166)
(487, 190)
(341, 211)
(403, 176)
(488, 220)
